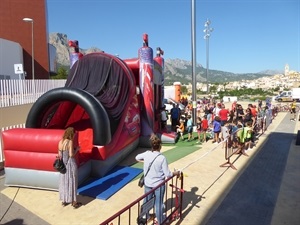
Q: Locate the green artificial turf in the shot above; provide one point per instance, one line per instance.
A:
(180, 150)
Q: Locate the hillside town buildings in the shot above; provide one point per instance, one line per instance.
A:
(290, 79)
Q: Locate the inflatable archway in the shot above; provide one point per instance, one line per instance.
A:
(98, 116)
(100, 101)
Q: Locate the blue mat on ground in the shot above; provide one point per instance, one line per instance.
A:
(104, 187)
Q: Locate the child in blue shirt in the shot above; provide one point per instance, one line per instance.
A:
(216, 129)
(189, 126)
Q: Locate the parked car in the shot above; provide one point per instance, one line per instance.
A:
(168, 102)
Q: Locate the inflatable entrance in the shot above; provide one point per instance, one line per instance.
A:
(114, 106)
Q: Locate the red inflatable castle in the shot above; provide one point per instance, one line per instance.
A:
(114, 106)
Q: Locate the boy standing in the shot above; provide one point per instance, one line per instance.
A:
(189, 126)
(204, 127)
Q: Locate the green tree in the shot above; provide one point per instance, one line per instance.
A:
(184, 90)
(254, 94)
(212, 88)
(276, 89)
(62, 74)
(224, 85)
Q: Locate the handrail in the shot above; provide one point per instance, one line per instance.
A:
(175, 211)
(229, 151)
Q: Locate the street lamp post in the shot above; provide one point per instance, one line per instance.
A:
(29, 20)
(207, 32)
(193, 40)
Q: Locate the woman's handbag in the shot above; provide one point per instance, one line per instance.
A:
(142, 179)
(59, 165)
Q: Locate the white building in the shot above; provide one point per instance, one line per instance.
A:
(11, 53)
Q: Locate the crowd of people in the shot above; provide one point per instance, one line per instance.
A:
(216, 121)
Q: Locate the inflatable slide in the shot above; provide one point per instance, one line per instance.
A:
(114, 106)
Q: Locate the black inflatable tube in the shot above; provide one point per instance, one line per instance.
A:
(97, 113)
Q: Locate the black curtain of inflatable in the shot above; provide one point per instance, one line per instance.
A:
(102, 76)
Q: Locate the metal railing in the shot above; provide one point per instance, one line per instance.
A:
(134, 211)
(233, 145)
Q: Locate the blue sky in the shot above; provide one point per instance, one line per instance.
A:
(249, 35)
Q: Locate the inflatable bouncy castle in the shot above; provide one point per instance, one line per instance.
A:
(114, 106)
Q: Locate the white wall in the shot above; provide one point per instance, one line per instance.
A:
(169, 92)
(229, 98)
(10, 53)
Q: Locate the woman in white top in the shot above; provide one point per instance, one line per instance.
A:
(157, 173)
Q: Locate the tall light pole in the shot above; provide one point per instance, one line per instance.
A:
(29, 20)
(193, 40)
(207, 32)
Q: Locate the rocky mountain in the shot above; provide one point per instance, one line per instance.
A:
(272, 72)
(175, 69)
(181, 70)
(60, 42)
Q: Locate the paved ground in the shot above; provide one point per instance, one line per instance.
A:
(254, 195)
(265, 188)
